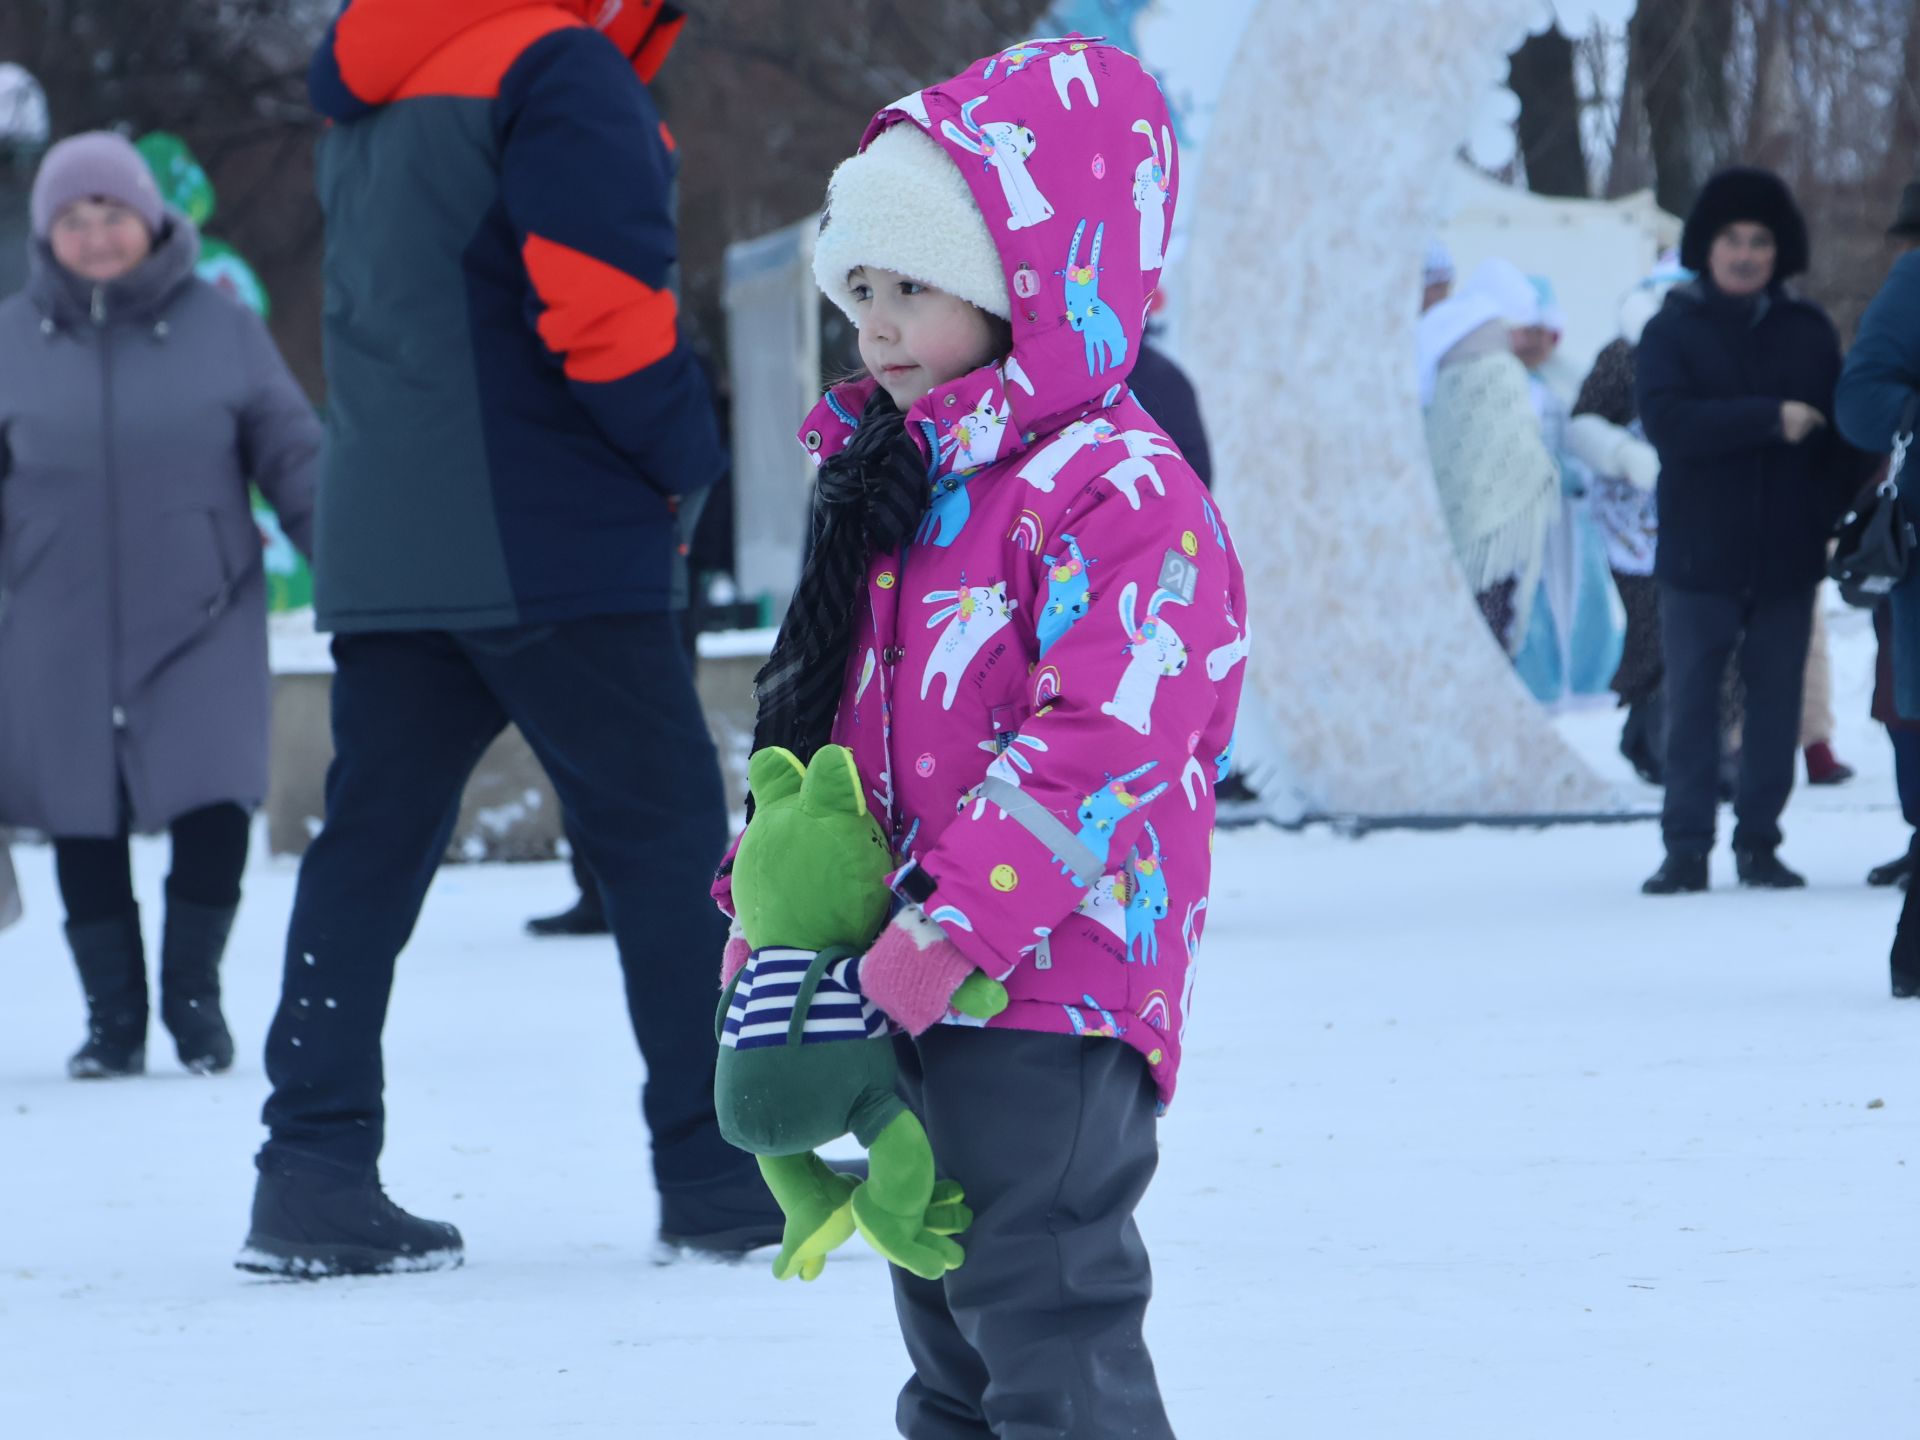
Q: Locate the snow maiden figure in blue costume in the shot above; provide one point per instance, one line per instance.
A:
(1573, 642)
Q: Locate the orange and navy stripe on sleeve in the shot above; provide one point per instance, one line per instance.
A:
(602, 322)
(586, 182)
(508, 384)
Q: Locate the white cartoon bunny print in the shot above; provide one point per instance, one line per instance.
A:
(1142, 447)
(1004, 148)
(973, 616)
(1155, 652)
(1069, 67)
(976, 436)
(1152, 184)
(1047, 463)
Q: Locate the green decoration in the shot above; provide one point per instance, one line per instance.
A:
(185, 186)
(289, 581)
(221, 267)
(183, 183)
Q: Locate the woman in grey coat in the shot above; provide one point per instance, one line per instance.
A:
(136, 404)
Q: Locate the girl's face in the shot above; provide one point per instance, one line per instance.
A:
(1742, 259)
(914, 337)
(99, 240)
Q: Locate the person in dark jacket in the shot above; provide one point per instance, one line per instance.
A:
(9, 887)
(1904, 735)
(709, 551)
(515, 431)
(1165, 393)
(1735, 384)
(1876, 407)
(137, 404)
(1604, 434)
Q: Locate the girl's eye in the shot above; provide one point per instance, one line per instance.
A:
(911, 287)
(862, 293)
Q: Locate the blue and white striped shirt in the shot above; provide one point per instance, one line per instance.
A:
(762, 1007)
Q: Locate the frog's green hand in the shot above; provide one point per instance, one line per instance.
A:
(979, 996)
(818, 1204)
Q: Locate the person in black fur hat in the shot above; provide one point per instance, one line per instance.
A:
(1735, 383)
(1756, 197)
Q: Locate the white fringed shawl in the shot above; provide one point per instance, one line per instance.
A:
(1499, 488)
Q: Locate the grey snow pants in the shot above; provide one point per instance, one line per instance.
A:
(1038, 1335)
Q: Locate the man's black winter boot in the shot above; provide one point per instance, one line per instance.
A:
(721, 1221)
(1904, 962)
(1762, 870)
(1679, 874)
(1639, 742)
(586, 917)
(1894, 872)
(191, 944)
(113, 972)
(312, 1220)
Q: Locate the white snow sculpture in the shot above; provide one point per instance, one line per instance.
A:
(1321, 182)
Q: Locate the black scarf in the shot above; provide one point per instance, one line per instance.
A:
(867, 501)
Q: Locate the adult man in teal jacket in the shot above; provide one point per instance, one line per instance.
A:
(515, 429)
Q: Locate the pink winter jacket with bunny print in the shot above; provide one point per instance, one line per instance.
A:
(1042, 689)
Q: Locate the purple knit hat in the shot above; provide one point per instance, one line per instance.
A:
(98, 164)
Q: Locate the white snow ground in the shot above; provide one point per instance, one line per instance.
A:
(1472, 1141)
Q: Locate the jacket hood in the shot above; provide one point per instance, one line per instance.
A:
(374, 47)
(67, 300)
(1068, 150)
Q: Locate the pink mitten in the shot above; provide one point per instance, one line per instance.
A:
(912, 970)
(722, 889)
(734, 956)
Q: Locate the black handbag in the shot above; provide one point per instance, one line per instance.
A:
(1874, 546)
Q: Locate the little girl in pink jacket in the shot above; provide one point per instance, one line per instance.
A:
(1025, 618)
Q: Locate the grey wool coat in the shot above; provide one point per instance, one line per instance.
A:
(133, 646)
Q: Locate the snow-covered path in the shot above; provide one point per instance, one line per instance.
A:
(1473, 1141)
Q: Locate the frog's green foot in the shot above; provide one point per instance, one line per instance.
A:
(905, 1239)
(818, 1204)
(947, 1213)
(898, 1208)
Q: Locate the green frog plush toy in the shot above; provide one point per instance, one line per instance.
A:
(804, 1058)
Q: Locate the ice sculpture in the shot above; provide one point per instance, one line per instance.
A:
(1323, 176)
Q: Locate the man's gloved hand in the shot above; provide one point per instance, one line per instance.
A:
(915, 974)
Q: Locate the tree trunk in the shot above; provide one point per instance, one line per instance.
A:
(1678, 52)
(1540, 72)
(1631, 169)
(1772, 119)
(1903, 154)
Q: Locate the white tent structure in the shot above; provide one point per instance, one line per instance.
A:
(773, 348)
(1593, 251)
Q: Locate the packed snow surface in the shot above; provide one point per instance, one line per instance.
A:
(1471, 1141)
